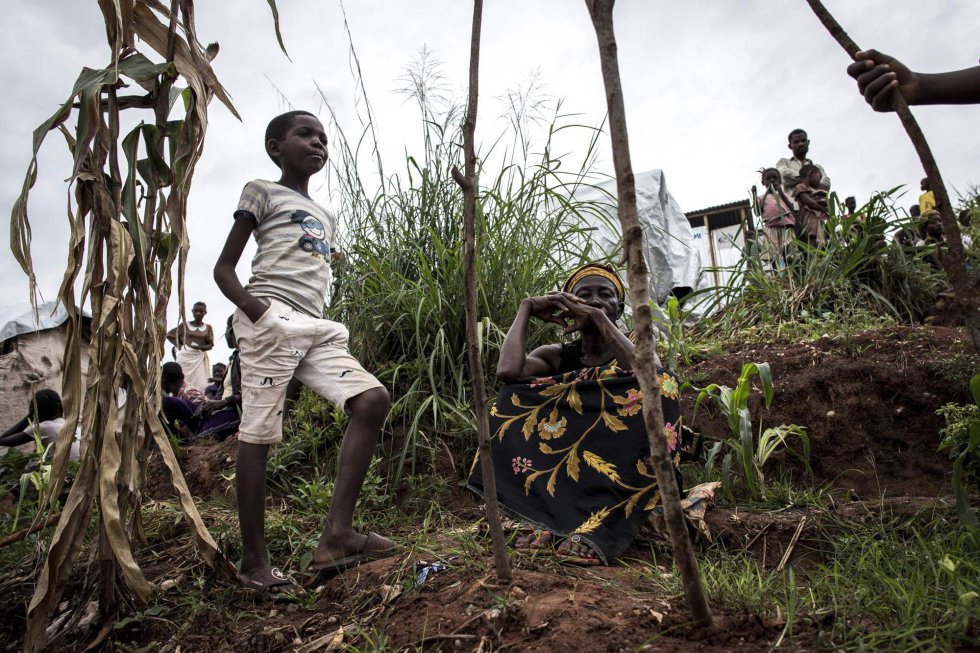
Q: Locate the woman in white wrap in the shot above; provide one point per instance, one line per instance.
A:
(193, 340)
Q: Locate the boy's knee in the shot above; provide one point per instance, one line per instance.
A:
(375, 401)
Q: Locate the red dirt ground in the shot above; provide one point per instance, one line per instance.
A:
(883, 388)
(869, 405)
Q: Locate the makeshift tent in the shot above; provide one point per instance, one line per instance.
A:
(32, 355)
(671, 254)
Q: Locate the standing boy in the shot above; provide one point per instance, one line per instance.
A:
(281, 332)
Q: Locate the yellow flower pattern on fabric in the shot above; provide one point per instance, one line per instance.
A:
(669, 386)
(581, 428)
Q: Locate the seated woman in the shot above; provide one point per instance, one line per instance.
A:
(568, 442)
(45, 417)
(189, 415)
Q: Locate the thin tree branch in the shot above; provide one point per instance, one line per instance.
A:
(638, 276)
(468, 184)
(953, 260)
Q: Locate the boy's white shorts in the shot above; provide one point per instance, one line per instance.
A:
(284, 343)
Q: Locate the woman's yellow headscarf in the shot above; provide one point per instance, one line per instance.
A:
(596, 270)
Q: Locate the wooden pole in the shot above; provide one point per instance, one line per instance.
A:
(469, 185)
(953, 260)
(638, 276)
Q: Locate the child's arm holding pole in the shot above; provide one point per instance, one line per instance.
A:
(224, 270)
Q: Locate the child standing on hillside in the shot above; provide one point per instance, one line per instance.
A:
(281, 332)
(778, 219)
(812, 200)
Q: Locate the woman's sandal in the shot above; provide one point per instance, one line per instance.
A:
(575, 551)
(536, 540)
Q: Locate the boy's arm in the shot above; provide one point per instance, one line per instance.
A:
(224, 269)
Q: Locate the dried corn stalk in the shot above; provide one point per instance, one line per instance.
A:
(128, 226)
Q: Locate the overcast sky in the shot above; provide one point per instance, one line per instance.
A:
(712, 88)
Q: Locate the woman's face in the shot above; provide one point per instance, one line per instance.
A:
(600, 293)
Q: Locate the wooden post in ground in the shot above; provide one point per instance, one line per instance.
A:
(638, 277)
(469, 185)
(953, 260)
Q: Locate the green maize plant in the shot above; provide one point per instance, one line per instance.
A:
(748, 451)
(129, 187)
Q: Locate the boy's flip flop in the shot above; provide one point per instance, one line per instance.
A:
(376, 547)
(272, 579)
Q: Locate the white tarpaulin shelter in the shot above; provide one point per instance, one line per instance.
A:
(31, 355)
(671, 255)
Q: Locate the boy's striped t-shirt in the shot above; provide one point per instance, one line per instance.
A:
(294, 236)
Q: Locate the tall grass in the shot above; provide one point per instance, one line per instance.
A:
(401, 293)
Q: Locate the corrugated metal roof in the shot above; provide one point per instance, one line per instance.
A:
(721, 207)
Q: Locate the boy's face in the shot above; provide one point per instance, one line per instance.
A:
(303, 150)
(770, 178)
(814, 178)
(800, 145)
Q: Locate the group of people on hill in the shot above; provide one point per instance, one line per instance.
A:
(794, 202)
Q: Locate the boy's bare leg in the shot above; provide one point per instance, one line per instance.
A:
(250, 487)
(367, 414)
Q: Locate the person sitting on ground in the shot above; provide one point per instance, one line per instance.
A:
(188, 414)
(569, 445)
(45, 417)
(213, 391)
(281, 333)
(778, 219)
(230, 396)
(193, 341)
(790, 167)
(812, 199)
(879, 75)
